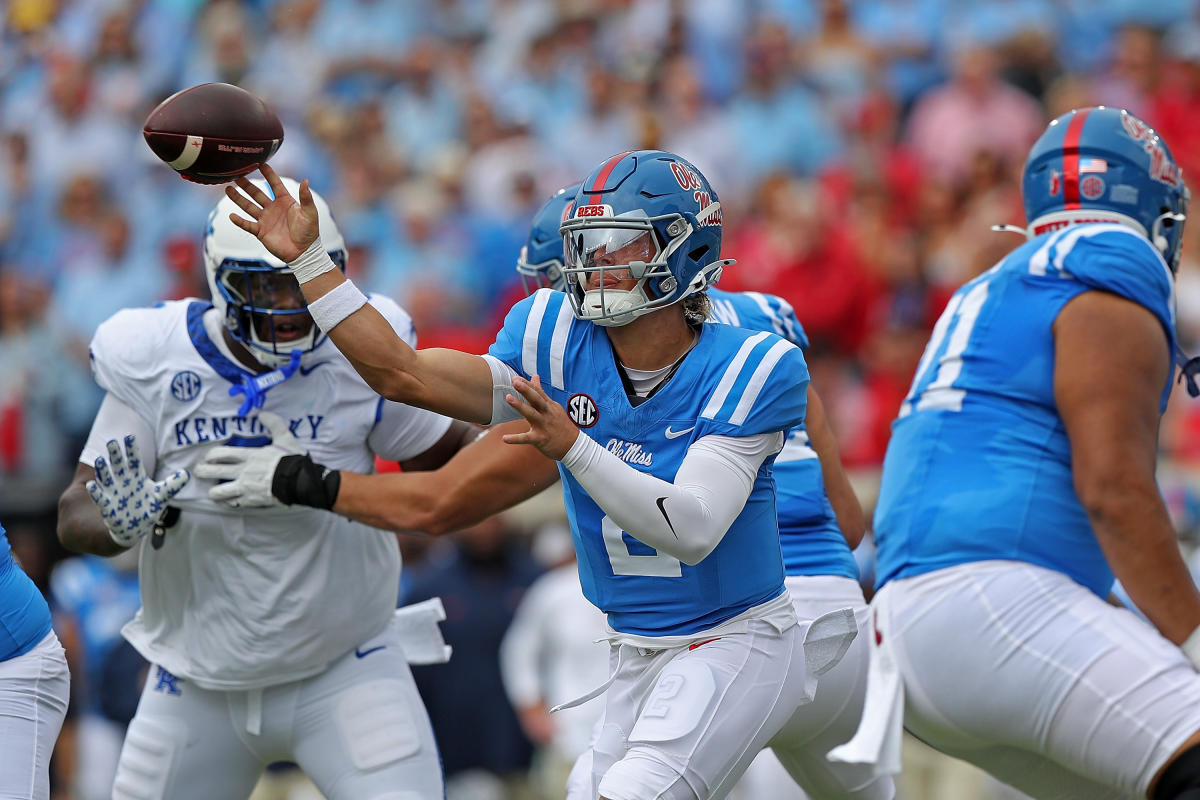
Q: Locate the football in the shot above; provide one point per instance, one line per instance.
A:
(213, 132)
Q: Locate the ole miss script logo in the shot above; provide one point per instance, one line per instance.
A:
(582, 410)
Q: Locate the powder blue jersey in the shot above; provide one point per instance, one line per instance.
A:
(812, 542)
(734, 382)
(979, 465)
(24, 615)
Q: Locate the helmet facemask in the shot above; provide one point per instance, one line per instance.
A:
(266, 310)
(603, 252)
(542, 275)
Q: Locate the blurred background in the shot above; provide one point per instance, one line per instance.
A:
(860, 148)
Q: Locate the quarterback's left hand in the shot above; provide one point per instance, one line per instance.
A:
(249, 472)
(550, 429)
(130, 502)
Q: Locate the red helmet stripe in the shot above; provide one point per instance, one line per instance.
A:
(602, 176)
(1071, 159)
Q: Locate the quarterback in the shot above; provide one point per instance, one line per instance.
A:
(665, 430)
(272, 633)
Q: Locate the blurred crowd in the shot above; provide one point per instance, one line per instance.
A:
(861, 150)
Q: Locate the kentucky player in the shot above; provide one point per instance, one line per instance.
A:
(34, 683)
(1020, 478)
(665, 429)
(270, 631)
(489, 476)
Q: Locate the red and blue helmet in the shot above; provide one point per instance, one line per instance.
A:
(664, 219)
(1105, 165)
(541, 260)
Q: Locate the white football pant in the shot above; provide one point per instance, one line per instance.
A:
(34, 690)
(358, 730)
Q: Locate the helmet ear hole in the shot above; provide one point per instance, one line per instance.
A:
(698, 253)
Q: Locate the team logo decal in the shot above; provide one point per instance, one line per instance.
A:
(582, 410)
(1161, 169)
(185, 386)
(1091, 187)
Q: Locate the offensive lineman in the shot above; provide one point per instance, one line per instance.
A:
(272, 634)
(1020, 478)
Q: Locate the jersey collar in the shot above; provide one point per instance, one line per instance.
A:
(207, 348)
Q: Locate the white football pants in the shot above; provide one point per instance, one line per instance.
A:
(1028, 675)
(358, 730)
(34, 690)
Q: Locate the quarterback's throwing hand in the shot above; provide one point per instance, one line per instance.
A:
(249, 472)
(130, 502)
(550, 429)
(284, 226)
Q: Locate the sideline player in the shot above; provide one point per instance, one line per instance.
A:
(271, 632)
(664, 426)
(489, 476)
(1020, 478)
(34, 683)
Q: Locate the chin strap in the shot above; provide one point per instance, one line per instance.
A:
(1011, 229)
(255, 388)
(1188, 369)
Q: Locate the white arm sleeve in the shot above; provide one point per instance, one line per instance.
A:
(685, 519)
(502, 384)
(116, 420)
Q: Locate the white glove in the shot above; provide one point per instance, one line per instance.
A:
(249, 471)
(130, 502)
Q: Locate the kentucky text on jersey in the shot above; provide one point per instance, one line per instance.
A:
(201, 429)
(979, 464)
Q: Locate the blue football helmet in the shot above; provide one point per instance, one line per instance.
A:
(649, 216)
(258, 297)
(541, 260)
(1105, 165)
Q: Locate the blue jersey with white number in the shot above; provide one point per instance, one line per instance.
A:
(979, 465)
(734, 382)
(24, 615)
(812, 542)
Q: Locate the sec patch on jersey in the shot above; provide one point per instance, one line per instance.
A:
(213, 132)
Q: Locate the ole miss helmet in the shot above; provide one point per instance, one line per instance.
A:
(1106, 165)
(657, 211)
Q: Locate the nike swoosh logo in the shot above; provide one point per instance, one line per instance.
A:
(304, 371)
(670, 434)
(365, 653)
(661, 507)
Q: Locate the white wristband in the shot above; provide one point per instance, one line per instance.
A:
(312, 262)
(335, 305)
(1191, 648)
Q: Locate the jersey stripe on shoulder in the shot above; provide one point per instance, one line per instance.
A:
(758, 380)
(533, 326)
(558, 343)
(731, 375)
(770, 313)
(724, 312)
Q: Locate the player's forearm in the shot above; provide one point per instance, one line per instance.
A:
(686, 519)
(80, 526)
(444, 381)
(841, 495)
(1139, 542)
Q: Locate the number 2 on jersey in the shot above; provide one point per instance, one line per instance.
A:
(956, 324)
(659, 565)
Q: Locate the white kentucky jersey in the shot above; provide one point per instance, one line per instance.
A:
(812, 540)
(240, 599)
(733, 382)
(979, 463)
